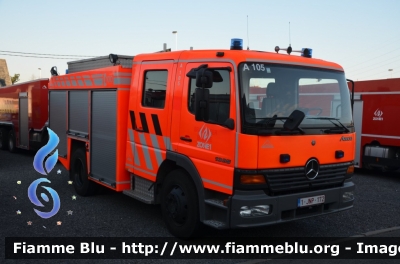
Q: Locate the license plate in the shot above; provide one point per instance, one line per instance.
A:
(311, 200)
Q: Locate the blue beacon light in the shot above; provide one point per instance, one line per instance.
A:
(236, 44)
(306, 52)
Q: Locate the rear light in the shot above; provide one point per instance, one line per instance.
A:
(252, 179)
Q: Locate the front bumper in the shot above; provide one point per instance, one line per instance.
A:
(284, 207)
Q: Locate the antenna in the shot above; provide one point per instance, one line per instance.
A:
(289, 49)
(248, 41)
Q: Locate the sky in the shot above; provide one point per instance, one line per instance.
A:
(363, 36)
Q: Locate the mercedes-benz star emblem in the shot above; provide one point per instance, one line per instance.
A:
(312, 169)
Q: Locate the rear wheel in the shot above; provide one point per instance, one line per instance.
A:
(11, 142)
(3, 138)
(78, 174)
(180, 206)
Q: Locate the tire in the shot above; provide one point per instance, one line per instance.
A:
(78, 174)
(11, 142)
(180, 205)
(3, 139)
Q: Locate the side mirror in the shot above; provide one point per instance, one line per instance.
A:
(204, 78)
(352, 93)
(229, 123)
(201, 108)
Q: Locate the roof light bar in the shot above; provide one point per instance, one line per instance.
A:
(305, 52)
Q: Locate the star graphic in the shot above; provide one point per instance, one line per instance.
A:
(18, 212)
(69, 182)
(73, 197)
(69, 212)
(59, 172)
(29, 223)
(18, 182)
(59, 223)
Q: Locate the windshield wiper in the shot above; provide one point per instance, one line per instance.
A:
(290, 126)
(269, 121)
(339, 129)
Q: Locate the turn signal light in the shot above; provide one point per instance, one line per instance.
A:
(350, 169)
(252, 179)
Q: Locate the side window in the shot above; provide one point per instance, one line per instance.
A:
(154, 90)
(219, 98)
(2, 82)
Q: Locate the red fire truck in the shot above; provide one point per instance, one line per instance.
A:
(23, 115)
(376, 110)
(185, 130)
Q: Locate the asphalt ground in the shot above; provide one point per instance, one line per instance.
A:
(110, 214)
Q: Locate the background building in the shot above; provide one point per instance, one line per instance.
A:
(5, 79)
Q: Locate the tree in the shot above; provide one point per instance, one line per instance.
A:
(15, 78)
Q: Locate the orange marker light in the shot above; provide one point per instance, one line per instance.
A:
(252, 179)
(350, 169)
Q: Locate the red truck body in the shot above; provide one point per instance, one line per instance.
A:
(23, 115)
(376, 118)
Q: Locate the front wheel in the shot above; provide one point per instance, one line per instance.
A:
(78, 174)
(180, 205)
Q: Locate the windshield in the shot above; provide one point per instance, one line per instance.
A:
(271, 90)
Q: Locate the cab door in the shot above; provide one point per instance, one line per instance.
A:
(149, 115)
(209, 144)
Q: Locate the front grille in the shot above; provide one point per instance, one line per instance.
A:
(294, 180)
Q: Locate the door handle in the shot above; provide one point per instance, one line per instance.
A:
(188, 139)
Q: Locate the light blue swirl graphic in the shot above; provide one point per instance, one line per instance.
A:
(32, 196)
(44, 151)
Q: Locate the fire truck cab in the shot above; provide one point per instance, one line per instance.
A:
(227, 138)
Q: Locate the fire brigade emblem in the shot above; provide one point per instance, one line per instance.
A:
(312, 169)
(378, 115)
(204, 135)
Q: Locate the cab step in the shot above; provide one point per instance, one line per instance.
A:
(215, 224)
(141, 189)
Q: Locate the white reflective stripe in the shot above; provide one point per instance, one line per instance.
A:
(133, 146)
(139, 169)
(122, 74)
(379, 136)
(142, 139)
(167, 143)
(125, 81)
(156, 148)
(146, 153)
(124, 182)
(218, 184)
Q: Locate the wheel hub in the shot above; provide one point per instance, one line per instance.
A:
(177, 205)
